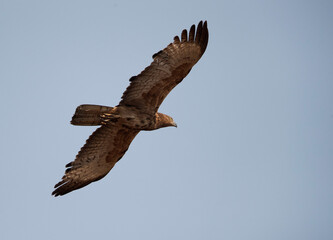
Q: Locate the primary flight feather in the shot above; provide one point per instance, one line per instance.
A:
(136, 111)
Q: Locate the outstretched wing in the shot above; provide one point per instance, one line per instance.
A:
(148, 90)
(102, 150)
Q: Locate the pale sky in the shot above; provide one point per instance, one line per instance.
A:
(252, 157)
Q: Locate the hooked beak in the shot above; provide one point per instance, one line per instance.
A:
(174, 124)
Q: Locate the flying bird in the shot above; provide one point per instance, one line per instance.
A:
(137, 111)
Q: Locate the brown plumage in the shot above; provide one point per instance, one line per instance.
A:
(136, 111)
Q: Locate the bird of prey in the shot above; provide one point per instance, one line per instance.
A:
(136, 111)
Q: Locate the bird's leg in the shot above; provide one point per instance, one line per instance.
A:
(109, 117)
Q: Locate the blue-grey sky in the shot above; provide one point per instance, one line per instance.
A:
(252, 157)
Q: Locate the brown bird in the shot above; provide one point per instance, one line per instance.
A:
(136, 111)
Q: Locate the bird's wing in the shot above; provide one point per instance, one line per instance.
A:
(148, 90)
(96, 158)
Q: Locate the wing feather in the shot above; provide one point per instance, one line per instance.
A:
(96, 158)
(148, 90)
(191, 35)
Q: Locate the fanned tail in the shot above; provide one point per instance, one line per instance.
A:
(90, 115)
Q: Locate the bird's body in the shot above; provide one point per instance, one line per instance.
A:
(136, 111)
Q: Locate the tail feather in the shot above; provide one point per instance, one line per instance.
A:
(90, 115)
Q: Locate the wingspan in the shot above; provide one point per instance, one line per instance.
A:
(97, 157)
(148, 90)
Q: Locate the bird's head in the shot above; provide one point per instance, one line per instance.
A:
(172, 122)
(163, 120)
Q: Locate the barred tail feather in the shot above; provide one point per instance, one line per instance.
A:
(89, 115)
